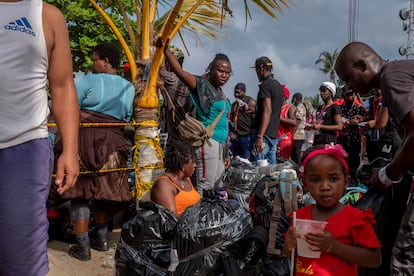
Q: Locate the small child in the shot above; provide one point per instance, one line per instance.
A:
(349, 239)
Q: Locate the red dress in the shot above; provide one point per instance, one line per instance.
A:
(350, 226)
(286, 144)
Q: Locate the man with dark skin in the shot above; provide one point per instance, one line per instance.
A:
(242, 116)
(363, 69)
(269, 104)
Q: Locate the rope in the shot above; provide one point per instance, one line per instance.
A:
(144, 123)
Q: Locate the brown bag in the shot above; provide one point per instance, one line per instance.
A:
(194, 132)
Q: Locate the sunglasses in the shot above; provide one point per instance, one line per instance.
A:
(323, 89)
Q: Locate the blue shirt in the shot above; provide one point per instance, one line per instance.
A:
(214, 106)
(109, 94)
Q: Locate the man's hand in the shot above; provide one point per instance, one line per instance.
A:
(259, 147)
(242, 104)
(67, 171)
(374, 181)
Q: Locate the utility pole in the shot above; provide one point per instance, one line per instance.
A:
(353, 15)
(407, 16)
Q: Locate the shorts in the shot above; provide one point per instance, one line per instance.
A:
(25, 178)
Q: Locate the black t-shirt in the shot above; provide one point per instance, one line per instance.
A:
(327, 115)
(243, 124)
(270, 88)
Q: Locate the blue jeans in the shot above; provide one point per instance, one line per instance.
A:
(269, 152)
(241, 146)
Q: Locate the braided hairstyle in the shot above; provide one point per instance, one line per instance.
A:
(177, 155)
(217, 57)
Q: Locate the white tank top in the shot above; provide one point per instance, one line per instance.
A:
(23, 73)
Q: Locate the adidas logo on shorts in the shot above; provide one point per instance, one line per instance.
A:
(20, 25)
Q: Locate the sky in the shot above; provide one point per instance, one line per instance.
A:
(295, 40)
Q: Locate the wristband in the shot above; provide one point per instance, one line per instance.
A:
(259, 136)
(385, 180)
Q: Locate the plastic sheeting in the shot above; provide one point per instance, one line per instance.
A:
(145, 245)
(239, 181)
(206, 233)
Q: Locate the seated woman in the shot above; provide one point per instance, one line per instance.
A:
(173, 190)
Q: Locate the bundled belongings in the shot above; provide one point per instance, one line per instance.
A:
(239, 181)
(272, 200)
(206, 232)
(145, 244)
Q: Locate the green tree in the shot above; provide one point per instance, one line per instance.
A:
(328, 64)
(315, 100)
(135, 24)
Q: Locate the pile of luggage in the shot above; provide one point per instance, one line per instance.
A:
(241, 234)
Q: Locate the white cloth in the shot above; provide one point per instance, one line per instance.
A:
(23, 73)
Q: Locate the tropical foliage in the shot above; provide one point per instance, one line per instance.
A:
(315, 100)
(135, 24)
(87, 27)
(328, 64)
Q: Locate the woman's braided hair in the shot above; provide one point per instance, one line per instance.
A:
(217, 57)
(177, 155)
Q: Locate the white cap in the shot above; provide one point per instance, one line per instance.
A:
(331, 86)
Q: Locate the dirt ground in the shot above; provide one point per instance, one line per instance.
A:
(61, 264)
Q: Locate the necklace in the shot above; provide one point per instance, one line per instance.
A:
(179, 180)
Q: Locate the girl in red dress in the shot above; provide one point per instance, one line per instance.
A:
(348, 240)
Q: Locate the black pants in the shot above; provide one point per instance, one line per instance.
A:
(353, 148)
(296, 153)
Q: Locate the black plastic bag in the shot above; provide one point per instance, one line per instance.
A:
(206, 233)
(276, 265)
(239, 181)
(145, 244)
(388, 208)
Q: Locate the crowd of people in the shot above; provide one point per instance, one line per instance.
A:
(265, 127)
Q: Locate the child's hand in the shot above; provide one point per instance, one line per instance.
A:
(323, 242)
(290, 239)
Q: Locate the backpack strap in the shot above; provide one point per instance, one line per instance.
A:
(274, 219)
(286, 191)
(212, 126)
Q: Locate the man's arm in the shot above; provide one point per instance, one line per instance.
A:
(403, 160)
(291, 117)
(267, 113)
(251, 106)
(64, 99)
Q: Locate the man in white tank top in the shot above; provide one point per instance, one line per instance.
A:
(34, 48)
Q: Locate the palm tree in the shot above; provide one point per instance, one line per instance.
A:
(315, 100)
(328, 62)
(196, 16)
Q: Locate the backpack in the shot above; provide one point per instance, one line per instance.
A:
(272, 200)
(194, 132)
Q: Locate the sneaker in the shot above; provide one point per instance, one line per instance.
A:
(79, 252)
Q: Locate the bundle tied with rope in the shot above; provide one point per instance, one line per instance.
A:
(147, 151)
